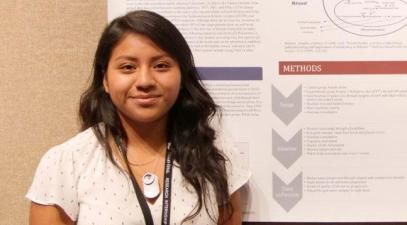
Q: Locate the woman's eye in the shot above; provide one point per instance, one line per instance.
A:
(162, 66)
(127, 68)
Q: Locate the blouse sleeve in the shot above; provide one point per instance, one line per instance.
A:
(237, 171)
(55, 182)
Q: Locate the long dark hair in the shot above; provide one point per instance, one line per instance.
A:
(188, 129)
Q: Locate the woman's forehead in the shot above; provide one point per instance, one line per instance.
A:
(134, 44)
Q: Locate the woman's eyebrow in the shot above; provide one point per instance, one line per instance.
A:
(126, 57)
(160, 56)
(132, 58)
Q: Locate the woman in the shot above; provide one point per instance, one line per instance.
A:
(147, 153)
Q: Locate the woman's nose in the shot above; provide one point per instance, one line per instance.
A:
(145, 79)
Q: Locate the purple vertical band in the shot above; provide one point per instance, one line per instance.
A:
(231, 73)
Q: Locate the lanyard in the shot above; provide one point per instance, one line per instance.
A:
(165, 216)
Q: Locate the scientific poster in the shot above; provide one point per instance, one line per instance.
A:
(314, 96)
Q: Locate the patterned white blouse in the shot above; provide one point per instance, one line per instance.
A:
(78, 177)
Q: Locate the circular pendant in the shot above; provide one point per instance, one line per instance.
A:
(151, 186)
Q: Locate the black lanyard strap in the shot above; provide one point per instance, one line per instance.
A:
(165, 215)
(166, 210)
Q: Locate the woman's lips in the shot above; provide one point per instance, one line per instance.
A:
(145, 100)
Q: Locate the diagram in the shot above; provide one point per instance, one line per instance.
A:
(367, 17)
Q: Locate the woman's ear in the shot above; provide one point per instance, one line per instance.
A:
(105, 83)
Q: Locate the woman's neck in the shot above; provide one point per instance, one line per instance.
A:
(148, 138)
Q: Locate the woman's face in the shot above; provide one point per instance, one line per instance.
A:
(142, 80)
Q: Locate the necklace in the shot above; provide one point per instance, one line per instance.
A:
(144, 163)
(166, 212)
(151, 184)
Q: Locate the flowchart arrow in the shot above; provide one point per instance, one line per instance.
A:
(287, 152)
(286, 108)
(287, 195)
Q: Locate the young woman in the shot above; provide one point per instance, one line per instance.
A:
(147, 153)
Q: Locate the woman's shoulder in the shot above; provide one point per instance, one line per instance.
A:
(85, 138)
(57, 176)
(76, 147)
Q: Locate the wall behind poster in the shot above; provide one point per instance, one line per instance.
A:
(46, 56)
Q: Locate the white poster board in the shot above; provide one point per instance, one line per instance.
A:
(314, 94)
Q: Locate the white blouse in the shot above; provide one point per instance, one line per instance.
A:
(79, 177)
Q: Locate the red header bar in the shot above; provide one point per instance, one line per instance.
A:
(342, 67)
